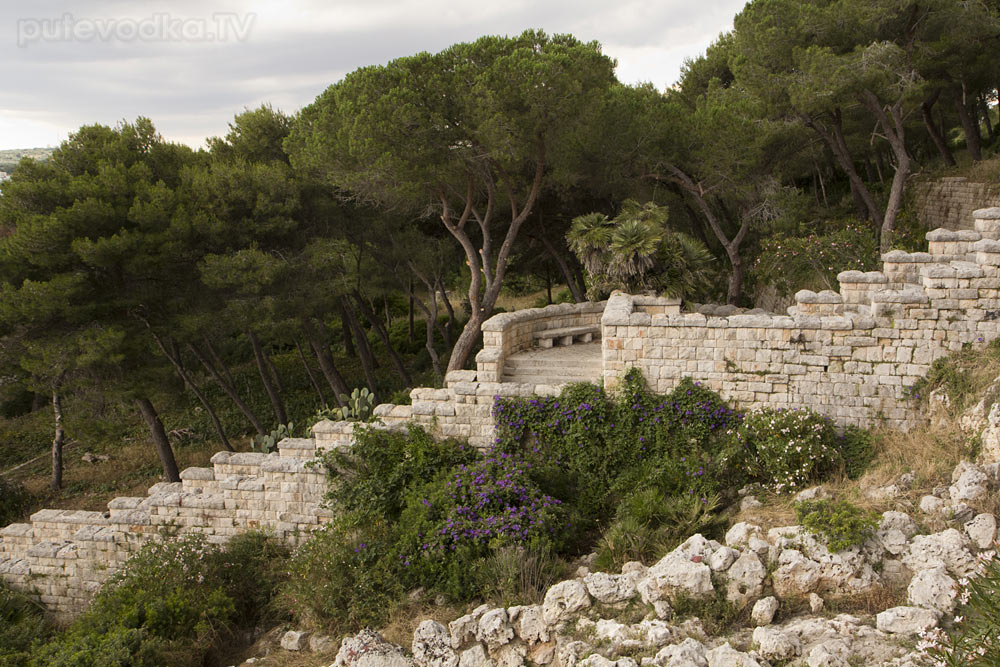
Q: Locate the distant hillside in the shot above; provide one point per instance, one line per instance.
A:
(10, 157)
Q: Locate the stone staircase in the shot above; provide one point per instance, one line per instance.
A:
(580, 362)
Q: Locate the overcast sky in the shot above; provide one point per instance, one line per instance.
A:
(191, 65)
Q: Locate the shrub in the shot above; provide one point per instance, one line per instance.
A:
(14, 501)
(22, 622)
(174, 602)
(840, 524)
(788, 449)
(972, 639)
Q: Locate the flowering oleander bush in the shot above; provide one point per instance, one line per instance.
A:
(974, 636)
(787, 449)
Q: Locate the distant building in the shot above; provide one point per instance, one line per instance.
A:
(4, 176)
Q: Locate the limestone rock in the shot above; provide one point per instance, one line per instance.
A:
(610, 588)
(494, 629)
(727, 656)
(689, 653)
(740, 534)
(368, 649)
(474, 657)
(722, 558)
(906, 620)
(321, 643)
(823, 656)
(677, 575)
(982, 530)
(774, 644)
(529, 624)
(931, 505)
(746, 579)
(946, 548)
(932, 589)
(749, 503)
(796, 575)
(990, 438)
(510, 655)
(816, 603)
(894, 532)
(764, 610)
(563, 600)
(432, 646)
(971, 485)
(463, 628)
(293, 640)
(812, 493)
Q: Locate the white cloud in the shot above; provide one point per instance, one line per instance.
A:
(293, 51)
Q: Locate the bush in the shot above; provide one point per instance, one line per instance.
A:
(14, 501)
(972, 639)
(22, 622)
(176, 601)
(788, 449)
(840, 524)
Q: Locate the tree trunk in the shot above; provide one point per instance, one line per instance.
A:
(345, 331)
(833, 137)
(174, 357)
(361, 341)
(574, 288)
(985, 109)
(312, 378)
(450, 328)
(410, 312)
(160, 441)
(219, 363)
(274, 374)
(59, 439)
(430, 315)
(925, 113)
(272, 394)
(970, 127)
(891, 120)
(383, 335)
(466, 341)
(322, 352)
(227, 386)
(735, 278)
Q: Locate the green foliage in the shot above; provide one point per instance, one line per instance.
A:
(173, 602)
(841, 524)
(14, 501)
(811, 259)
(22, 622)
(637, 251)
(269, 443)
(971, 639)
(787, 449)
(358, 406)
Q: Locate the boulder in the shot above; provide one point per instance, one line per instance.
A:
(368, 649)
(463, 629)
(474, 657)
(745, 579)
(816, 603)
(774, 644)
(739, 535)
(796, 576)
(677, 575)
(494, 629)
(722, 558)
(689, 653)
(764, 610)
(610, 588)
(972, 484)
(294, 640)
(529, 624)
(932, 589)
(906, 620)
(982, 530)
(563, 600)
(931, 505)
(432, 646)
(947, 548)
(823, 655)
(727, 656)
(894, 531)
(321, 643)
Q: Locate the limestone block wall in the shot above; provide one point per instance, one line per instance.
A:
(949, 202)
(64, 556)
(850, 354)
(508, 333)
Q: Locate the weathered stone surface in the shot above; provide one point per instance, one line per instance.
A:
(971, 485)
(689, 653)
(722, 558)
(294, 640)
(610, 588)
(982, 530)
(906, 620)
(727, 656)
(947, 548)
(894, 531)
(774, 644)
(740, 534)
(563, 600)
(474, 656)
(745, 579)
(932, 589)
(494, 629)
(321, 643)
(676, 575)
(368, 649)
(432, 646)
(529, 624)
(764, 610)
(796, 575)
(931, 505)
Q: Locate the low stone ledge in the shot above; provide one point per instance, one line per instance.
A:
(899, 296)
(868, 277)
(986, 245)
(452, 377)
(17, 530)
(125, 503)
(992, 213)
(903, 257)
(941, 234)
(198, 474)
(824, 297)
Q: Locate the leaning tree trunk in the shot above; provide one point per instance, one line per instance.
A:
(160, 440)
(58, 439)
(322, 352)
(970, 126)
(227, 386)
(312, 376)
(735, 288)
(361, 343)
(383, 335)
(272, 393)
(925, 113)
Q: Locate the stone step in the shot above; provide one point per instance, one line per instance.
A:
(582, 365)
(550, 379)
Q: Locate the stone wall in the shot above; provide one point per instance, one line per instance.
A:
(851, 355)
(948, 202)
(64, 556)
